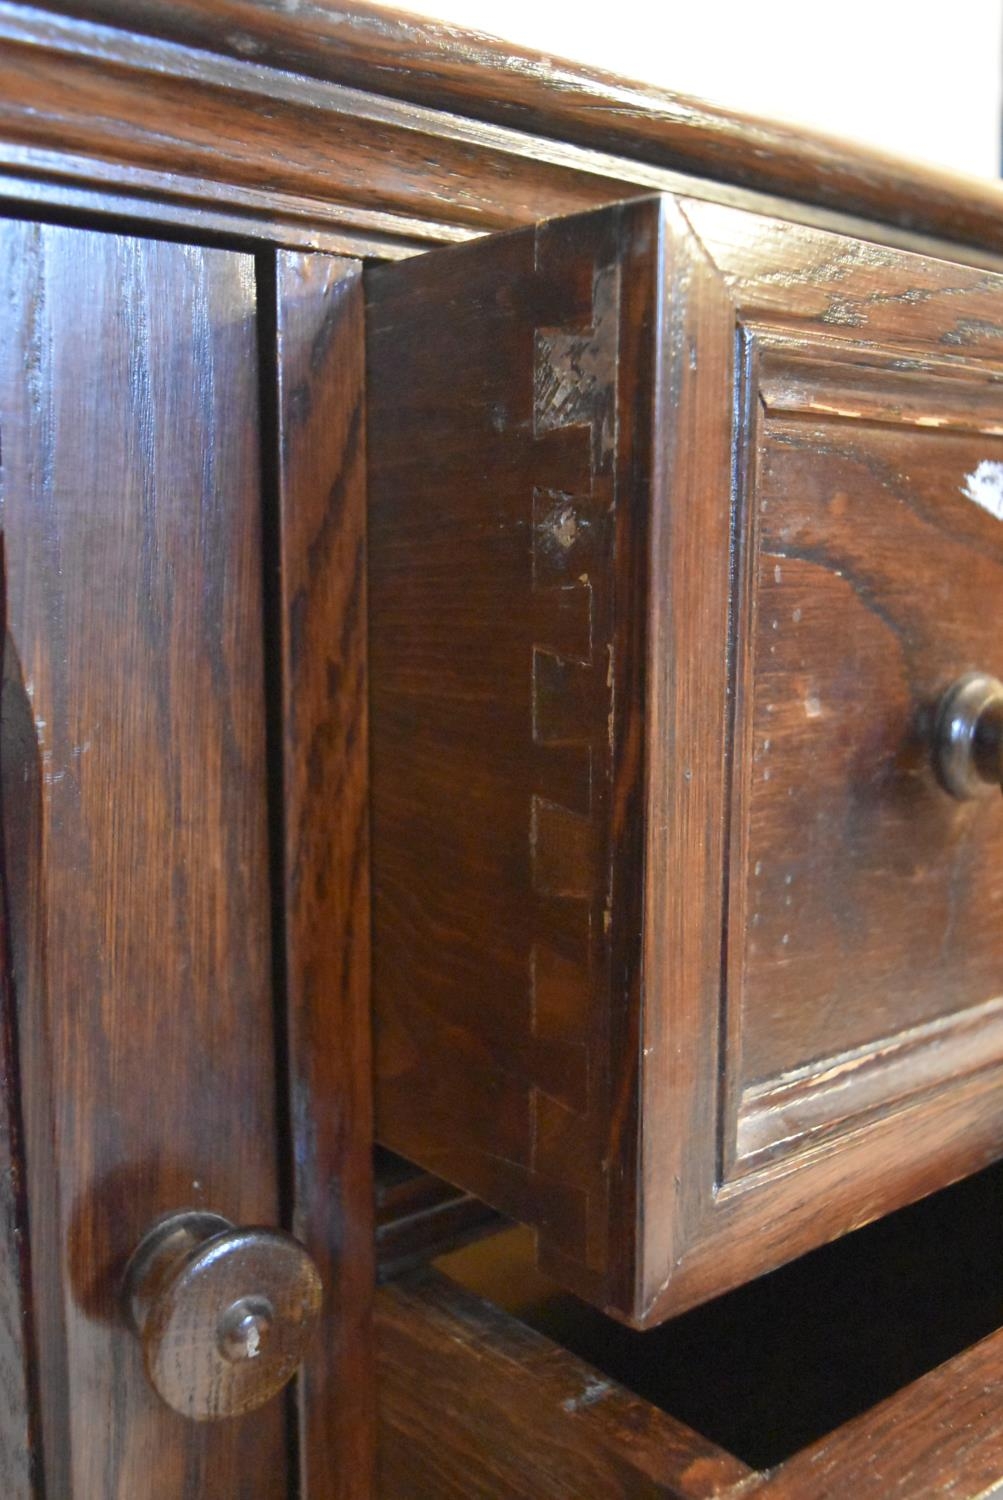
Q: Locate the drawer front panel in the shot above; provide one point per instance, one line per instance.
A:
(867, 903)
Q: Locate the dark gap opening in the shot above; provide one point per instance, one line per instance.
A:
(269, 438)
(781, 1362)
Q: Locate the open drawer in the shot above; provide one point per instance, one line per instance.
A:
(683, 521)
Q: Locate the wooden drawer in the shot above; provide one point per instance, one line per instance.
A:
(682, 522)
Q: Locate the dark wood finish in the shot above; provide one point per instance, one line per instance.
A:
(433, 64)
(866, 954)
(99, 120)
(182, 125)
(324, 879)
(475, 1403)
(19, 1450)
(940, 1436)
(313, 127)
(476, 1406)
(506, 415)
(753, 729)
(860, 1050)
(224, 1315)
(134, 818)
(783, 1360)
(419, 1216)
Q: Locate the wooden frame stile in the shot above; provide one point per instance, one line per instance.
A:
(140, 792)
(686, 721)
(320, 723)
(20, 1451)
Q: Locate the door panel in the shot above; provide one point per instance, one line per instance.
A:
(134, 815)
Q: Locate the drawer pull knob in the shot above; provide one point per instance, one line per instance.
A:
(968, 736)
(223, 1315)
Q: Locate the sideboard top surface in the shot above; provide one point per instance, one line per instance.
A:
(357, 127)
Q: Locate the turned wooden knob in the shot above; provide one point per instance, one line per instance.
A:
(968, 736)
(224, 1315)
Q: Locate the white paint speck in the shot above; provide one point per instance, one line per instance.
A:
(796, 617)
(812, 706)
(984, 486)
(777, 573)
(595, 1390)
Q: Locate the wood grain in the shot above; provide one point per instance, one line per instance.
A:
(258, 148)
(20, 1456)
(429, 63)
(939, 1436)
(476, 1406)
(505, 525)
(134, 870)
(322, 726)
(224, 1314)
(134, 816)
(866, 541)
(498, 1409)
(899, 335)
(217, 126)
(733, 757)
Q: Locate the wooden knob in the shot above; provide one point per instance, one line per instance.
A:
(224, 1315)
(968, 736)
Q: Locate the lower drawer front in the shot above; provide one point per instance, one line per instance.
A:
(683, 522)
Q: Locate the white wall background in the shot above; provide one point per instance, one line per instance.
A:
(920, 79)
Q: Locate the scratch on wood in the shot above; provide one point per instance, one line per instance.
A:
(575, 372)
(561, 526)
(574, 386)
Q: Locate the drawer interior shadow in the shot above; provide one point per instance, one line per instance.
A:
(781, 1362)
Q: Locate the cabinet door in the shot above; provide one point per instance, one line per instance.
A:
(684, 523)
(136, 846)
